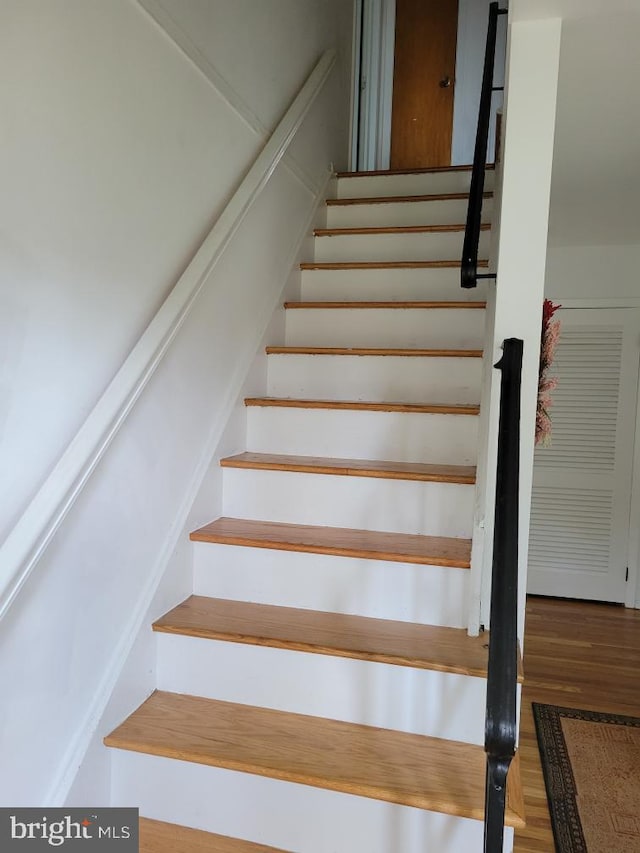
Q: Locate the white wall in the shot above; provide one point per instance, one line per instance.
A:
(107, 191)
(594, 238)
(596, 181)
(592, 272)
(516, 306)
(116, 158)
(472, 34)
(118, 155)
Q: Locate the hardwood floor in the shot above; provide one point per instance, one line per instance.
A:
(578, 655)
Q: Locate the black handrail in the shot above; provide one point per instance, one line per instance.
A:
(469, 265)
(502, 676)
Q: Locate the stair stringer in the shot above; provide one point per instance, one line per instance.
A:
(132, 674)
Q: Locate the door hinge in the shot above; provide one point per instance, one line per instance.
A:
(626, 577)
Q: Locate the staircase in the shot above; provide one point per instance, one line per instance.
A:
(319, 691)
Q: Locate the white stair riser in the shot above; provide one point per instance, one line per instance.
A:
(366, 503)
(434, 595)
(387, 285)
(429, 183)
(441, 212)
(428, 328)
(438, 704)
(397, 436)
(284, 814)
(398, 379)
(429, 246)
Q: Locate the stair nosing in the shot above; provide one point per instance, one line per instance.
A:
(462, 409)
(212, 533)
(352, 468)
(396, 305)
(380, 352)
(373, 230)
(374, 173)
(401, 199)
(385, 265)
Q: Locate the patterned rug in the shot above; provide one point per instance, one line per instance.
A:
(591, 765)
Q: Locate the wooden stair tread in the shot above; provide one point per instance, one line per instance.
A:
(339, 541)
(377, 351)
(156, 836)
(337, 634)
(422, 471)
(429, 773)
(393, 229)
(400, 199)
(385, 265)
(366, 406)
(351, 304)
(426, 171)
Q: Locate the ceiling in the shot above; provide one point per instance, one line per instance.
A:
(530, 10)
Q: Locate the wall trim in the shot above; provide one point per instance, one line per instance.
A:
(80, 744)
(354, 113)
(388, 47)
(157, 12)
(171, 29)
(609, 302)
(632, 598)
(373, 121)
(22, 549)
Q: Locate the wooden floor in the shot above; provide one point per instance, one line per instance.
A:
(577, 655)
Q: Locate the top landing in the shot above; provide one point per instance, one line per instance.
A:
(413, 182)
(428, 171)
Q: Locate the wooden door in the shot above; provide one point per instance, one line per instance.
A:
(423, 83)
(578, 545)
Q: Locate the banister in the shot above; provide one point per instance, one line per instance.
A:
(469, 264)
(502, 675)
(27, 541)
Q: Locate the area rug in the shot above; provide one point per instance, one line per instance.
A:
(591, 765)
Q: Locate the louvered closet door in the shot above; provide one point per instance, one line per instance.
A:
(582, 481)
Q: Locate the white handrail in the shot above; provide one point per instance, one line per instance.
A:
(26, 543)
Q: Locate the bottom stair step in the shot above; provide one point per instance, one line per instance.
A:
(156, 836)
(426, 773)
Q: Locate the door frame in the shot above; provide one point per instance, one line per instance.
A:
(373, 51)
(374, 34)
